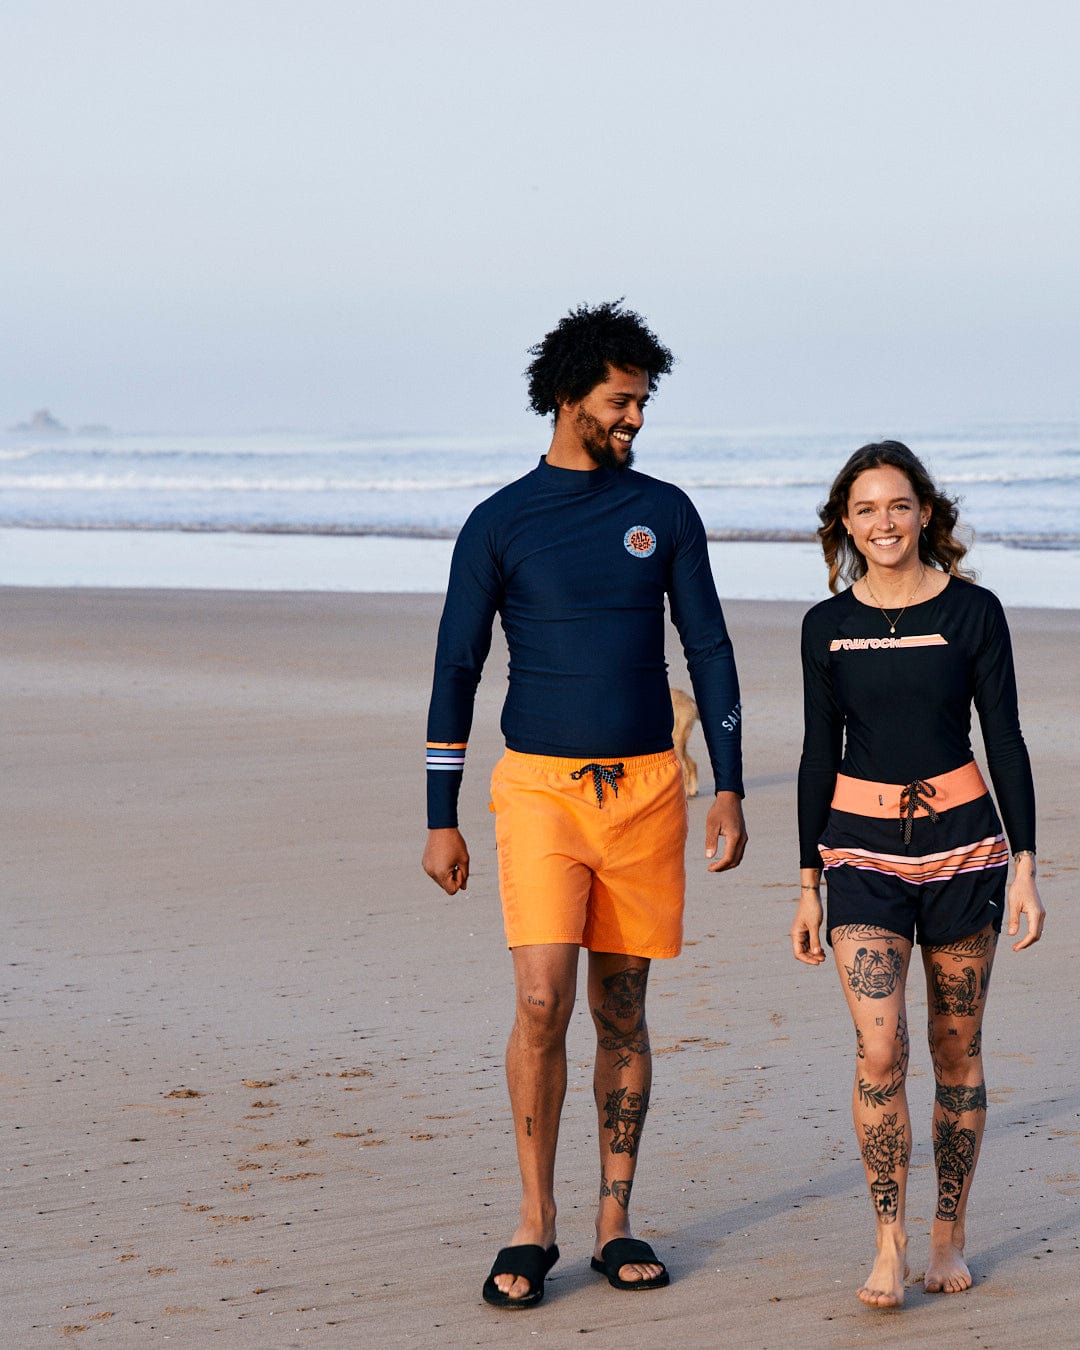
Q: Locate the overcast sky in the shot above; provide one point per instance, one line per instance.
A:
(223, 214)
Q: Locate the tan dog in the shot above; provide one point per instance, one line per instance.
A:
(686, 714)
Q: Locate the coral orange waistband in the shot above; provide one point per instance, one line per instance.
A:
(887, 800)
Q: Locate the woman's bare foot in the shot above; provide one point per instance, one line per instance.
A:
(946, 1271)
(884, 1287)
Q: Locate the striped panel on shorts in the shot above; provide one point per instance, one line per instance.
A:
(931, 867)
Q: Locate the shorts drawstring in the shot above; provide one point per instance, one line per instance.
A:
(912, 797)
(601, 774)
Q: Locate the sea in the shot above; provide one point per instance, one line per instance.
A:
(300, 510)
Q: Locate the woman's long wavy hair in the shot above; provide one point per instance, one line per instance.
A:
(938, 543)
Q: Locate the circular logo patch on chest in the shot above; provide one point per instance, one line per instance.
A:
(639, 541)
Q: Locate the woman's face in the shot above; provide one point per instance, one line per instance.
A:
(884, 517)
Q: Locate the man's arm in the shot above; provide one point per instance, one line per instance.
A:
(710, 660)
(464, 641)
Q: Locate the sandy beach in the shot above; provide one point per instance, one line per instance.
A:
(252, 1057)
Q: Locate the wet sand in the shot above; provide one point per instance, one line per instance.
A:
(252, 1057)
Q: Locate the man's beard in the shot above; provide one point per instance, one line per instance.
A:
(598, 446)
(604, 457)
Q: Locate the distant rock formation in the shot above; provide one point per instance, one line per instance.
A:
(42, 421)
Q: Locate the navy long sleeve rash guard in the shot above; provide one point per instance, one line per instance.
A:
(577, 565)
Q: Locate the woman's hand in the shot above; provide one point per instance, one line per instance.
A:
(1024, 900)
(806, 929)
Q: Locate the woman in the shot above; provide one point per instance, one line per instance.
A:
(894, 812)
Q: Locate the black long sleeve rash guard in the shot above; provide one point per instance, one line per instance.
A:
(577, 565)
(893, 709)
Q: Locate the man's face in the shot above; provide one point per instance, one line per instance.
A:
(610, 415)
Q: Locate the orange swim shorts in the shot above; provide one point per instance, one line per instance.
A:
(581, 862)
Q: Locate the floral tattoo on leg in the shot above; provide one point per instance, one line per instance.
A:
(885, 1151)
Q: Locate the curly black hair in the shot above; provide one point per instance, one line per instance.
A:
(938, 543)
(573, 358)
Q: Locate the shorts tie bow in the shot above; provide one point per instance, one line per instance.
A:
(601, 774)
(912, 797)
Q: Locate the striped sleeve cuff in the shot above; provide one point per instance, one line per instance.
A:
(445, 762)
(446, 755)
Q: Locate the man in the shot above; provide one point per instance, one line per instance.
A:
(576, 558)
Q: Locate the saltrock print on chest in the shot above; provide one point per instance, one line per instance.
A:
(639, 541)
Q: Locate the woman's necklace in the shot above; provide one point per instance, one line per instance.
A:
(893, 622)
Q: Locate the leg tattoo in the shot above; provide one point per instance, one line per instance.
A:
(958, 976)
(959, 995)
(880, 1094)
(954, 1154)
(982, 944)
(624, 1001)
(622, 1076)
(954, 995)
(624, 993)
(625, 1118)
(875, 972)
(959, 1099)
(618, 1190)
(859, 932)
(885, 1151)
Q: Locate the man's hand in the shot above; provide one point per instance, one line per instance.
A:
(725, 818)
(446, 860)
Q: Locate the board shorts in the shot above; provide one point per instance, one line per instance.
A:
(592, 852)
(927, 861)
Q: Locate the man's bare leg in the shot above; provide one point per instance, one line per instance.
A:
(957, 979)
(873, 965)
(622, 1079)
(545, 977)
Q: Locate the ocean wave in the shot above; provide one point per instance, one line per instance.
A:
(425, 487)
(1034, 539)
(728, 483)
(88, 481)
(711, 482)
(122, 482)
(1009, 479)
(134, 446)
